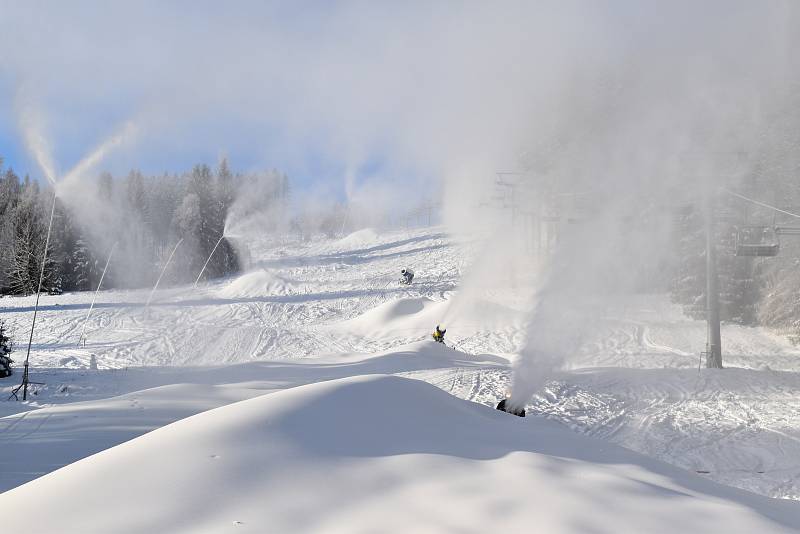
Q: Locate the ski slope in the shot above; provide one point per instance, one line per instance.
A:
(277, 310)
(405, 457)
(333, 310)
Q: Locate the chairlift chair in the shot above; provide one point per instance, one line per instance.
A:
(757, 241)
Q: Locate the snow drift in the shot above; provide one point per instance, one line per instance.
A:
(404, 456)
(394, 316)
(359, 238)
(259, 283)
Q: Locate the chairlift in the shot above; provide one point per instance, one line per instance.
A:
(757, 241)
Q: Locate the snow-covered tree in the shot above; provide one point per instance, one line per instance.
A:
(10, 190)
(144, 215)
(30, 233)
(6, 347)
(738, 282)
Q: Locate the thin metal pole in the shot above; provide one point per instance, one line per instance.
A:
(714, 342)
(163, 271)
(344, 220)
(94, 298)
(208, 260)
(25, 375)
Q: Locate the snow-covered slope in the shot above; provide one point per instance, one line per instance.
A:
(273, 311)
(42, 440)
(327, 310)
(378, 454)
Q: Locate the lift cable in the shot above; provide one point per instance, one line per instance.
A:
(762, 204)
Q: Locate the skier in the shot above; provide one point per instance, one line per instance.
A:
(438, 334)
(408, 276)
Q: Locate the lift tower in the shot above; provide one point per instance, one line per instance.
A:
(714, 342)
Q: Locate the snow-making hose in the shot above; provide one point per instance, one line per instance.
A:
(208, 260)
(94, 298)
(162, 272)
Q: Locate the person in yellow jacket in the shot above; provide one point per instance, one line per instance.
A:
(438, 334)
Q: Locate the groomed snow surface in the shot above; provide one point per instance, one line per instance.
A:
(305, 396)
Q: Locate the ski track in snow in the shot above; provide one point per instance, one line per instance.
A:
(635, 382)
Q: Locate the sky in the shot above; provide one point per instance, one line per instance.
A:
(347, 95)
(265, 85)
(340, 95)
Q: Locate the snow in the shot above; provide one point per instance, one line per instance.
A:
(366, 236)
(259, 283)
(396, 316)
(38, 441)
(317, 365)
(404, 457)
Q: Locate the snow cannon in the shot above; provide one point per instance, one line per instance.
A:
(504, 407)
(438, 334)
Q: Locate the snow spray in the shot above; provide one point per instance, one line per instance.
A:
(208, 260)
(554, 334)
(93, 158)
(152, 291)
(590, 262)
(497, 262)
(94, 298)
(36, 143)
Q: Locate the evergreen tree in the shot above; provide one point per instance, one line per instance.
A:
(200, 185)
(225, 190)
(146, 215)
(224, 261)
(6, 347)
(62, 243)
(738, 284)
(188, 223)
(29, 243)
(135, 193)
(10, 190)
(86, 269)
(164, 194)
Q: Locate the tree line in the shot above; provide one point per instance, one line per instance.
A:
(761, 291)
(141, 217)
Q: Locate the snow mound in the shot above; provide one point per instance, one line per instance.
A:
(399, 315)
(406, 457)
(359, 238)
(258, 283)
(420, 315)
(397, 309)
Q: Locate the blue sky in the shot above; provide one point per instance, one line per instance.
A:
(341, 95)
(336, 94)
(248, 145)
(201, 81)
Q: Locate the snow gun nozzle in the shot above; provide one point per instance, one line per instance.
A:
(504, 407)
